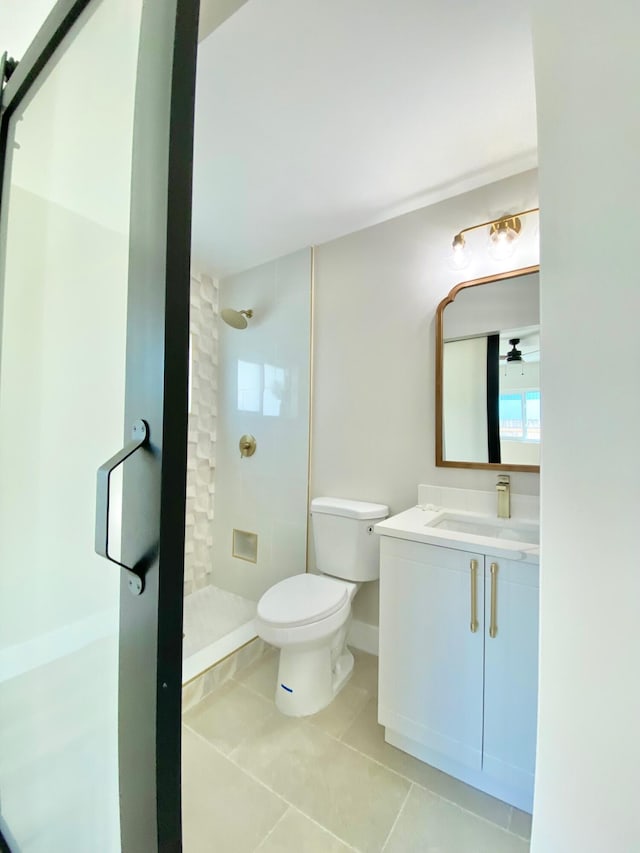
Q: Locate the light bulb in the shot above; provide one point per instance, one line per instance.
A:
(460, 256)
(502, 239)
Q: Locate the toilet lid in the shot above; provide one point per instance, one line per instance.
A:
(302, 599)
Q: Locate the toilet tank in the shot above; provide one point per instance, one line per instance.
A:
(344, 542)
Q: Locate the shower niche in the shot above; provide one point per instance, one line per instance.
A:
(245, 546)
(250, 376)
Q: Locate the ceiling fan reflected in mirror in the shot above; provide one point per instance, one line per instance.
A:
(515, 357)
(514, 354)
(521, 346)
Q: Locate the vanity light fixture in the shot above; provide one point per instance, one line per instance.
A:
(460, 254)
(503, 236)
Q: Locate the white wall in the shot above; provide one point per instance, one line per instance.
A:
(63, 352)
(60, 137)
(266, 493)
(588, 764)
(20, 20)
(374, 374)
(65, 297)
(215, 12)
(464, 400)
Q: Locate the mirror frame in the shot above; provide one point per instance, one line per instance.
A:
(440, 461)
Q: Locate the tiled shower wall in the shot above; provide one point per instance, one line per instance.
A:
(201, 462)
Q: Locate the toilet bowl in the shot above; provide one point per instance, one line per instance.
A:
(307, 615)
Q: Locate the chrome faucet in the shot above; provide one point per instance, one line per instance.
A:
(503, 488)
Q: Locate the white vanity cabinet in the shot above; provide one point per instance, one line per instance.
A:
(458, 673)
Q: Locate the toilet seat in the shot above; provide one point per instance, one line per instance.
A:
(302, 600)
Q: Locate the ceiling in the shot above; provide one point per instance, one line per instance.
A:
(315, 118)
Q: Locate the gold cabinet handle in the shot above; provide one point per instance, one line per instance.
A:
(474, 596)
(493, 627)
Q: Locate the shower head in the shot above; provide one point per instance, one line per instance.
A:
(236, 319)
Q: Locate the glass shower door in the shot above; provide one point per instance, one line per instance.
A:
(95, 145)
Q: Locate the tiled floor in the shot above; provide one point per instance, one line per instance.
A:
(255, 780)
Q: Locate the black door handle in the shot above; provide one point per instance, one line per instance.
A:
(139, 438)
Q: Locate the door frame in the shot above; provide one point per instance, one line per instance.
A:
(150, 668)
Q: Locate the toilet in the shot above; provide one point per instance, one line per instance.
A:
(307, 616)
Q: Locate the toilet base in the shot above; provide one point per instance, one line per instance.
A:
(308, 679)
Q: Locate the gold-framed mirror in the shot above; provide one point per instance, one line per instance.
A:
(488, 373)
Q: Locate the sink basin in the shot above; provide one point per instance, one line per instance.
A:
(508, 529)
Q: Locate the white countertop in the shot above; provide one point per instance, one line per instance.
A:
(411, 525)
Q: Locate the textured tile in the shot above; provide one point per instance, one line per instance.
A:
(261, 676)
(228, 715)
(520, 823)
(295, 833)
(429, 824)
(201, 430)
(336, 718)
(222, 808)
(352, 796)
(367, 736)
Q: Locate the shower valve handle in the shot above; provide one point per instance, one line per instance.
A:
(247, 445)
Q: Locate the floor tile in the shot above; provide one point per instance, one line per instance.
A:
(365, 671)
(355, 798)
(367, 736)
(295, 833)
(215, 796)
(324, 783)
(261, 676)
(429, 824)
(520, 823)
(228, 715)
(336, 718)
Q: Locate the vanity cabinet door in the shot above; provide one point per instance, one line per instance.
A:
(431, 662)
(511, 672)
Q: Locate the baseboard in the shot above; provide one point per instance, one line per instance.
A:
(363, 636)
